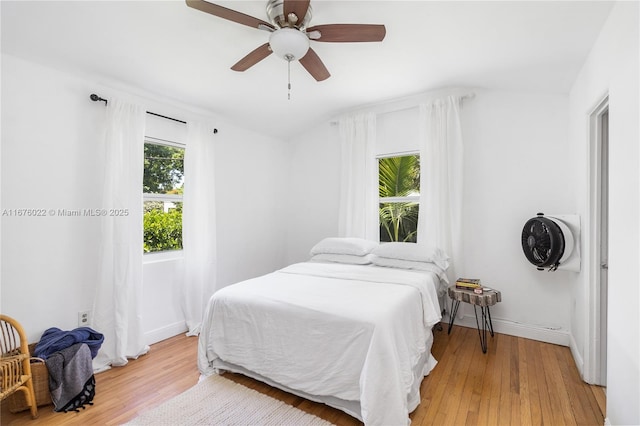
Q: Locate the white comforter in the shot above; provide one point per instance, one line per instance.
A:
(352, 332)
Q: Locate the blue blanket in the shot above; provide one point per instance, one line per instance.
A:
(54, 340)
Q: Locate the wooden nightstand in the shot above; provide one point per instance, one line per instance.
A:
(484, 301)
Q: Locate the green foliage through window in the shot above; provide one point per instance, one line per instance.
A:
(162, 225)
(163, 169)
(163, 185)
(399, 189)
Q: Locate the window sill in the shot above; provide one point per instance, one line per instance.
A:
(162, 256)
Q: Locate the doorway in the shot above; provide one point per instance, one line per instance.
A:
(604, 241)
(599, 265)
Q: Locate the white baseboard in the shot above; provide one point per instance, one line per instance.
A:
(577, 356)
(163, 333)
(528, 331)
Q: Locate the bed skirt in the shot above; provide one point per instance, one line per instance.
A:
(423, 367)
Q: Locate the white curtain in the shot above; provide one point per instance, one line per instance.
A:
(118, 296)
(358, 215)
(441, 165)
(198, 224)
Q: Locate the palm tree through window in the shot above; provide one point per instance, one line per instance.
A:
(399, 197)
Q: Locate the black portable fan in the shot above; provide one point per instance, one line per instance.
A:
(543, 242)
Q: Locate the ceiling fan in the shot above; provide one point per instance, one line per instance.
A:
(290, 34)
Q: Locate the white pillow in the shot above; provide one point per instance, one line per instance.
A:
(413, 251)
(352, 246)
(410, 264)
(343, 258)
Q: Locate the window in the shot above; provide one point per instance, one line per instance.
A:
(163, 184)
(399, 192)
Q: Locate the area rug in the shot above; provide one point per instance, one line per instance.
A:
(219, 401)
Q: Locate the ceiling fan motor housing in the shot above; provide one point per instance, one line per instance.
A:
(275, 12)
(552, 242)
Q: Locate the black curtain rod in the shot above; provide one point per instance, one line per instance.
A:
(96, 98)
(164, 116)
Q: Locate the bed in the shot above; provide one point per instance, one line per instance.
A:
(340, 329)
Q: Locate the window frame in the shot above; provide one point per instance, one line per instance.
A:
(179, 198)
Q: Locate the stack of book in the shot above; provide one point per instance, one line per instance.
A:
(469, 284)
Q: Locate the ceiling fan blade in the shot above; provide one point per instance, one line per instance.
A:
(297, 7)
(312, 63)
(252, 58)
(228, 14)
(348, 33)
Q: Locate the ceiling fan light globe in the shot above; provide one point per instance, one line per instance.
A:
(289, 43)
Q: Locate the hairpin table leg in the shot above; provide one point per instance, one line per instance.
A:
(454, 311)
(486, 323)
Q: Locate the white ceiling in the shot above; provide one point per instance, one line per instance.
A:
(169, 49)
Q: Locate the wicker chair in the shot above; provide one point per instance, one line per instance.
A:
(15, 367)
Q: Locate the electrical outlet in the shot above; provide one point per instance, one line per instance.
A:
(84, 318)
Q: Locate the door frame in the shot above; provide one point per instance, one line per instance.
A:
(594, 367)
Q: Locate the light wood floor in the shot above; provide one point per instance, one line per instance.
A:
(517, 382)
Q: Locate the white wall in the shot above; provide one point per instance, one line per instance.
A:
(314, 175)
(162, 315)
(50, 160)
(612, 68)
(251, 184)
(516, 162)
(517, 156)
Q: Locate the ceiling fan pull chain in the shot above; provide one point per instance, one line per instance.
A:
(289, 79)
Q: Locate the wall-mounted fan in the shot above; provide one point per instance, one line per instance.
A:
(552, 241)
(290, 33)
